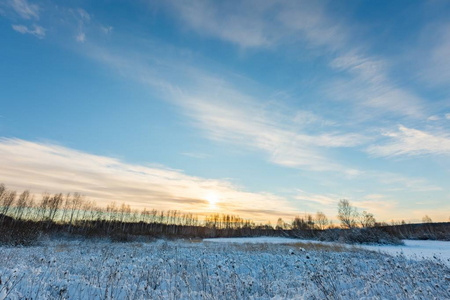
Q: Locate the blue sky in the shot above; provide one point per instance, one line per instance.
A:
(271, 108)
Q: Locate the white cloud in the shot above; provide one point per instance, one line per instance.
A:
(83, 18)
(46, 167)
(447, 116)
(81, 37)
(227, 115)
(260, 23)
(371, 87)
(369, 69)
(24, 9)
(412, 142)
(322, 200)
(434, 118)
(84, 14)
(243, 27)
(106, 29)
(36, 30)
(272, 24)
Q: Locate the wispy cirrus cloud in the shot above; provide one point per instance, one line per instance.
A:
(65, 20)
(411, 142)
(365, 79)
(231, 115)
(371, 86)
(24, 9)
(252, 24)
(228, 115)
(298, 139)
(241, 29)
(52, 168)
(27, 13)
(35, 30)
(83, 18)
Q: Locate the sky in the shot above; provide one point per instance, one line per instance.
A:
(263, 109)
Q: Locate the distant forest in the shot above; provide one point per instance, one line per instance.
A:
(23, 220)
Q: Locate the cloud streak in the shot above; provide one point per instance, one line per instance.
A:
(276, 24)
(227, 115)
(36, 30)
(412, 142)
(298, 139)
(254, 24)
(25, 9)
(47, 167)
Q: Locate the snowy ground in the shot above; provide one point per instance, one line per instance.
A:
(205, 270)
(418, 250)
(412, 249)
(255, 240)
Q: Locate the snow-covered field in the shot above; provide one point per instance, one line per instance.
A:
(418, 250)
(206, 270)
(413, 249)
(256, 240)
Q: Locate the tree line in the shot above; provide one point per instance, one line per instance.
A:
(73, 208)
(74, 213)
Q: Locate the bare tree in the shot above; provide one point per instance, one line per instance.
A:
(30, 209)
(367, 220)
(306, 223)
(426, 219)
(347, 214)
(66, 207)
(124, 212)
(6, 201)
(43, 206)
(280, 224)
(54, 204)
(77, 202)
(2, 190)
(111, 210)
(22, 204)
(321, 220)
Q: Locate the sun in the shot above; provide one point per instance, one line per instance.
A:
(212, 199)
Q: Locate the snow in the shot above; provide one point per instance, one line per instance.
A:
(254, 240)
(214, 270)
(417, 249)
(414, 249)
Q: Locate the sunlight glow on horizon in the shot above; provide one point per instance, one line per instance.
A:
(213, 199)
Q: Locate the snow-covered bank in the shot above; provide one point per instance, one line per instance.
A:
(423, 249)
(417, 250)
(184, 270)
